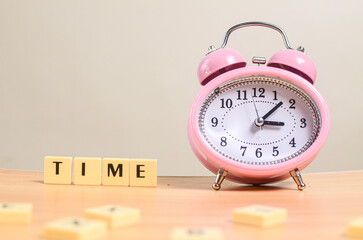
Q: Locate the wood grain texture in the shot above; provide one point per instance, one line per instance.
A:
(321, 211)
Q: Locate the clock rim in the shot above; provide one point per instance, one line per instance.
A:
(245, 172)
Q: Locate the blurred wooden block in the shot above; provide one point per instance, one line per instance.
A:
(116, 171)
(15, 212)
(182, 233)
(261, 216)
(143, 172)
(87, 171)
(75, 229)
(114, 216)
(58, 170)
(355, 228)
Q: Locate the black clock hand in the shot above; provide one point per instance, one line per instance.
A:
(272, 110)
(273, 123)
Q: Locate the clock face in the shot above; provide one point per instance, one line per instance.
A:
(259, 120)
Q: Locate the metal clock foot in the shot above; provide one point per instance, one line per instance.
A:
(295, 174)
(221, 175)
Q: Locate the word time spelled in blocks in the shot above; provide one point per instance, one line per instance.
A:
(196, 233)
(114, 216)
(15, 212)
(74, 228)
(87, 171)
(261, 216)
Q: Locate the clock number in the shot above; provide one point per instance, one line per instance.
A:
(214, 122)
(254, 92)
(243, 150)
(228, 103)
(292, 101)
(261, 90)
(292, 142)
(244, 95)
(275, 152)
(303, 123)
(223, 141)
(275, 95)
(258, 153)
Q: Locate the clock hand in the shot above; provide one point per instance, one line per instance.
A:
(254, 104)
(258, 120)
(272, 110)
(273, 123)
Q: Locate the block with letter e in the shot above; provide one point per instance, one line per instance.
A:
(143, 172)
(116, 171)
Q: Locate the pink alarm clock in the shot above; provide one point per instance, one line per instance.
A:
(257, 124)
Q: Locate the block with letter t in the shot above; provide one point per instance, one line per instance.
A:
(58, 170)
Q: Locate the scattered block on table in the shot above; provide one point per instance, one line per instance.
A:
(195, 233)
(87, 171)
(116, 171)
(143, 172)
(355, 228)
(114, 216)
(15, 212)
(75, 229)
(58, 170)
(262, 216)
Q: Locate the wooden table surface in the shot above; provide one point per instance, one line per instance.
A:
(321, 211)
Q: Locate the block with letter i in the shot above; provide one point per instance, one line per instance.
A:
(87, 171)
(116, 171)
(58, 170)
(143, 172)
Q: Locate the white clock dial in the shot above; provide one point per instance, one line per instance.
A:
(259, 120)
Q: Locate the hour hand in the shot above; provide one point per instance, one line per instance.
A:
(272, 110)
(273, 123)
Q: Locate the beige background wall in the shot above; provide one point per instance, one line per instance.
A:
(117, 78)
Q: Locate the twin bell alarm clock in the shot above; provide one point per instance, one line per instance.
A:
(257, 124)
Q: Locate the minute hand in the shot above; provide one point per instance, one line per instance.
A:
(272, 110)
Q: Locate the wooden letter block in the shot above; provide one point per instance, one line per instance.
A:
(261, 216)
(75, 229)
(181, 233)
(87, 171)
(114, 216)
(116, 171)
(355, 228)
(58, 170)
(143, 172)
(15, 212)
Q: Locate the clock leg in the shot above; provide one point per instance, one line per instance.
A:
(219, 179)
(295, 174)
